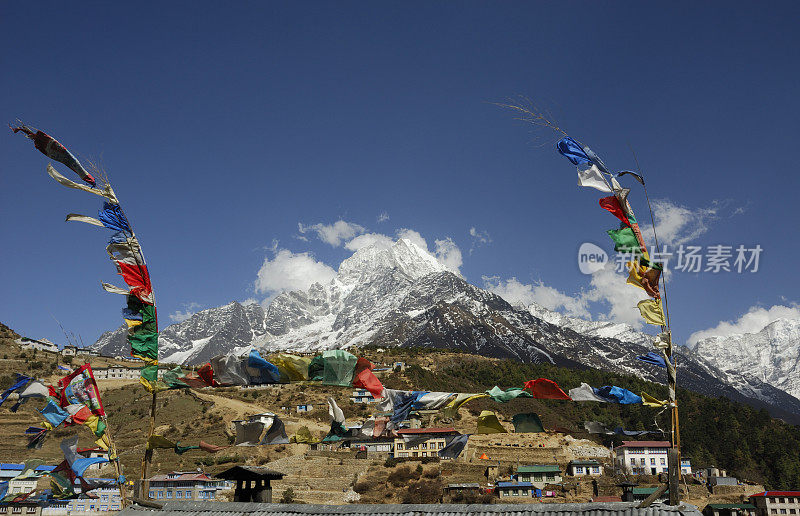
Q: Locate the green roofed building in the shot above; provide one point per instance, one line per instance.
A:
(539, 475)
(729, 509)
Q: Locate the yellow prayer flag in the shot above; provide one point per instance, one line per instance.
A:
(489, 424)
(651, 311)
(650, 401)
(132, 322)
(635, 272)
(158, 441)
(451, 409)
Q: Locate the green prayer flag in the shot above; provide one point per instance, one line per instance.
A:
(180, 450)
(144, 344)
(150, 373)
(316, 368)
(625, 240)
(173, 378)
(527, 423)
(339, 367)
(501, 396)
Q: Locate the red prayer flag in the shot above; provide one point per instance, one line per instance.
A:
(545, 389)
(612, 204)
(206, 373)
(137, 277)
(366, 379)
(210, 448)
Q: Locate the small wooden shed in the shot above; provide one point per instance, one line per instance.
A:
(252, 483)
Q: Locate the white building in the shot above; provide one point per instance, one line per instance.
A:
(646, 458)
(9, 470)
(591, 467)
(41, 345)
(69, 351)
(362, 396)
(116, 373)
(108, 499)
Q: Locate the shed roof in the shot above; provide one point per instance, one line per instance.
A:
(470, 485)
(777, 493)
(514, 484)
(731, 506)
(539, 468)
(272, 509)
(645, 444)
(444, 430)
(250, 472)
(590, 462)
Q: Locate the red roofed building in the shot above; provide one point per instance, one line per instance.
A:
(422, 442)
(777, 503)
(185, 485)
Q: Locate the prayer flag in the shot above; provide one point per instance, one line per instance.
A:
(542, 388)
(527, 423)
(489, 424)
(651, 311)
(591, 177)
(501, 396)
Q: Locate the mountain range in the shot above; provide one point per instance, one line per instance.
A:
(400, 295)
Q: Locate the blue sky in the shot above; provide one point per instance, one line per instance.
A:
(223, 126)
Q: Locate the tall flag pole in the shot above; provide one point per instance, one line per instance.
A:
(124, 250)
(643, 272)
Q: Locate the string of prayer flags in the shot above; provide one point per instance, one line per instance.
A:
(123, 249)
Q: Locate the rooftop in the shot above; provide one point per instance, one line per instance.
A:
(544, 509)
(645, 444)
(250, 473)
(432, 430)
(514, 484)
(777, 493)
(731, 506)
(590, 462)
(539, 468)
(182, 477)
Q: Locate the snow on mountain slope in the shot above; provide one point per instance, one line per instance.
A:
(402, 296)
(771, 355)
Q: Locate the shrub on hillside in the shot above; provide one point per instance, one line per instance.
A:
(423, 491)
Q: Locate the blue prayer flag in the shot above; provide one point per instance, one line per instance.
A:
(112, 217)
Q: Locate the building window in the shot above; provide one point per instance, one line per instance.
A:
(783, 511)
(104, 508)
(161, 494)
(633, 462)
(792, 511)
(773, 511)
(3, 510)
(16, 510)
(663, 461)
(169, 495)
(578, 470)
(188, 493)
(178, 494)
(596, 469)
(31, 510)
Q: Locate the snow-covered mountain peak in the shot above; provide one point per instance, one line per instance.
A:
(403, 256)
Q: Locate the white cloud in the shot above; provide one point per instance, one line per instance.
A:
(413, 236)
(448, 254)
(677, 224)
(249, 301)
(516, 292)
(189, 310)
(756, 318)
(616, 299)
(479, 238)
(290, 271)
(369, 239)
(383, 217)
(333, 234)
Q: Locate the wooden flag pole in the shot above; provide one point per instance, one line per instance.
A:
(148, 453)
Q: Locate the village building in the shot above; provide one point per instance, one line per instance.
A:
(640, 494)
(422, 442)
(93, 453)
(454, 492)
(511, 490)
(104, 499)
(362, 396)
(116, 373)
(577, 468)
(539, 474)
(253, 483)
(26, 508)
(729, 509)
(642, 457)
(69, 351)
(39, 345)
(372, 445)
(9, 470)
(305, 408)
(769, 503)
(184, 485)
